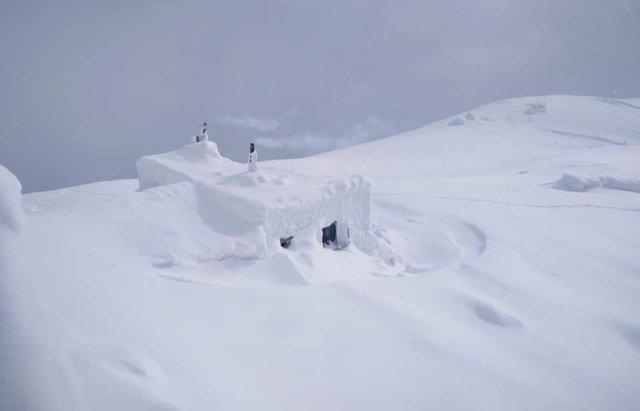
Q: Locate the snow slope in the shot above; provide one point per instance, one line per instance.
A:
(501, 288)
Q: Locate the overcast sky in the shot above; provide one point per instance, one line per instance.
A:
(86, 87)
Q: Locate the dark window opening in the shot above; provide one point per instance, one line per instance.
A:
(285, 242)
(329, 235)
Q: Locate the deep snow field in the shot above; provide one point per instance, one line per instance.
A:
(512, 280)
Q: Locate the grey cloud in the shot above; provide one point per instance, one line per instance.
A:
(250, 122)
(309, 142)
(86, 87)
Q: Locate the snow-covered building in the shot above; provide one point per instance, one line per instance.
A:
(281, 202)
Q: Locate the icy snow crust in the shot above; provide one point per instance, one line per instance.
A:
(280, 201)
(486, 279)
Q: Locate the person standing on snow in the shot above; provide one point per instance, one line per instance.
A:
(253, 158)
(204, 136)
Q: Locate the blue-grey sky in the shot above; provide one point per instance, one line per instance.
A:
(86, 87)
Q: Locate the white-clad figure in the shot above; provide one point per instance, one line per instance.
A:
(204, 136)
(253, 158)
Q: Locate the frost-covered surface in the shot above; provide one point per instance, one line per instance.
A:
(282, 202)
(501, 291)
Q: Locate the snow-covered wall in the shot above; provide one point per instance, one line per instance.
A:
(346, 201)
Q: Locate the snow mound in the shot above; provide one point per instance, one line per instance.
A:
(462, 120)
(457, 121)
(570, 182)
(536, 108)
(11, 214)
(624, 184)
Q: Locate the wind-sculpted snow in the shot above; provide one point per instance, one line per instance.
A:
(624, 184)
(457, 121)
(11, 214)
(140, 383)
(34, 373)
(173, 292)
(572, 182)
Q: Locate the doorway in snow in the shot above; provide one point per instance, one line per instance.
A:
(285, 242)
(335, 236)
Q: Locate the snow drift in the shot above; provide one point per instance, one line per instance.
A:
(173, 292)
(11, 215)
(34, 374)
(572, 182)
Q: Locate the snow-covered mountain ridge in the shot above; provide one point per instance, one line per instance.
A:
(511, 273)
